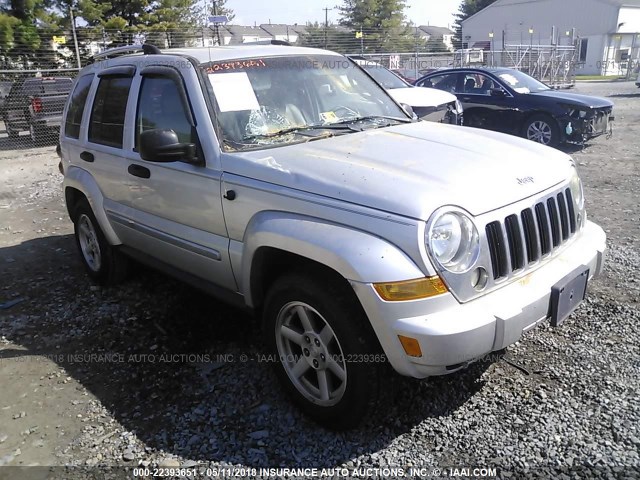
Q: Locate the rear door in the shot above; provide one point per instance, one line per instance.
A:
(103, 154)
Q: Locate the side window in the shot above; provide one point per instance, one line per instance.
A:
(443, 82)
(478, 84)
(76, 107)
(107, 116)
(160, 107)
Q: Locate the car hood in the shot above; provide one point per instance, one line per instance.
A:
(410, 169)
(421, 97)
(575, 98)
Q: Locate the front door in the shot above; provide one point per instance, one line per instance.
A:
(178, 206)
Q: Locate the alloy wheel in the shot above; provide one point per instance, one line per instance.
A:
(311, 354)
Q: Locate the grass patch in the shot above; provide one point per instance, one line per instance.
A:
(601, 77)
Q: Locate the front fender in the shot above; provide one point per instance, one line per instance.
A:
(354, 254)
(82, 181)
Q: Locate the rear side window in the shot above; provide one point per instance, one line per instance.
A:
(76, 107)
(107, 116)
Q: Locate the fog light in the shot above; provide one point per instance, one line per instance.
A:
(411, 346)
(410, 289)
(479, 279)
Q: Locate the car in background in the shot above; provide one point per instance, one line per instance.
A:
(36, 104)
(439, 107)
(509, 101)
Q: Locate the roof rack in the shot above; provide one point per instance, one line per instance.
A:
(272, 41)
(145, 48)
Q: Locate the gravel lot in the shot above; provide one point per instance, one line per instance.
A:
(152, 373)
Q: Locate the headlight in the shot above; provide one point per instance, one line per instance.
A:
(577, 191)
(453, 240)
(459, 108)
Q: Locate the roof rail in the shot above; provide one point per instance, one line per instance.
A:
(145, 48)
(272, 41)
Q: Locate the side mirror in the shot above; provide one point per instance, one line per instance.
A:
(409, 110)
(497, 92)
(162, 146)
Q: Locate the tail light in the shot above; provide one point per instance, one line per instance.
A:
(36, 105)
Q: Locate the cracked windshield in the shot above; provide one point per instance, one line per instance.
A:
(266, 102)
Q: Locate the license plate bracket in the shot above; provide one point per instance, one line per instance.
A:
(567, 294)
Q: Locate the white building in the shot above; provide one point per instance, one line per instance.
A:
(606, 32)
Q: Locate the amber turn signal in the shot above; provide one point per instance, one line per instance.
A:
(411, 346)
(410, 289)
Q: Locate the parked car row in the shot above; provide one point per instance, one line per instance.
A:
(500, 99)
(287, 181)
(428, 104)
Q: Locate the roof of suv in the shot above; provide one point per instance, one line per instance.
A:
(216, 54)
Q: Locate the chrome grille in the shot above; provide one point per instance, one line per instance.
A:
(522, 239)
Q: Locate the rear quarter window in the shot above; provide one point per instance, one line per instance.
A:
(76, 107)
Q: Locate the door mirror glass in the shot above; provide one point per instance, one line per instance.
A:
(162, 145)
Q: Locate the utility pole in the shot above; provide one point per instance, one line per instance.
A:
(215, 14)
(326, 24)
(75, 39)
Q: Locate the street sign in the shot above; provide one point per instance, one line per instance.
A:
(218, 19)
(59, 40)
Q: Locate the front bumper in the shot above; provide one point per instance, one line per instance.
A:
(451, 334)
(582, 129)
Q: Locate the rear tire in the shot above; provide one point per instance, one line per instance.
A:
(13, 134)
(104, 264)
(326, 354)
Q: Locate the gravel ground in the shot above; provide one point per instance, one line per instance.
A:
(154, 374)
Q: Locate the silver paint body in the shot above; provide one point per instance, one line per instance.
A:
(357, 203)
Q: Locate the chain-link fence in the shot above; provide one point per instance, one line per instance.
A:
(31, 104)
(36, 79)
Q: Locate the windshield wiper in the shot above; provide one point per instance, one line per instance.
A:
(345, 125)
(301, 130)
(372, 117)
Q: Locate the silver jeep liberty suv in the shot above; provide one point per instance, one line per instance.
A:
(287, 181)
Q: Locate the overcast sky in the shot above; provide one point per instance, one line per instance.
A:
(248, 12)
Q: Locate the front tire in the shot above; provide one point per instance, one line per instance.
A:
(327, 356)
(104, 264)
(542, 129)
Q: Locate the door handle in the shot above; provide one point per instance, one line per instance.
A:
(139, 171)
(87, 157)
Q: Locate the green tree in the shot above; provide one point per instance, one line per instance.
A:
(467, 9)
(338, 40)
(382, 22)
(435, 44)
(21, 39)
(172, 22)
